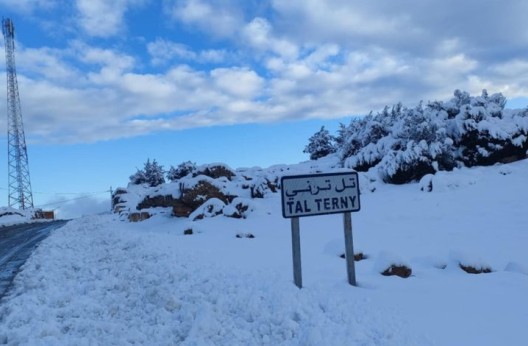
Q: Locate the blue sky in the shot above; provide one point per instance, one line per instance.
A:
(106, 84)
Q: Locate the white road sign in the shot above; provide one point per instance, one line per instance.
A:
(318, 194)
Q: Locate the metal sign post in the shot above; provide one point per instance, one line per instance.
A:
(319, 194)
(296, 252)
(349, 249)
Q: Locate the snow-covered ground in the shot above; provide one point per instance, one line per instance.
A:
(11, 216)
(101, 281)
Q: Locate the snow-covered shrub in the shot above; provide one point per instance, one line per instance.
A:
(151, 174)
(320, 144)
(420, 147)
(400, 167)
(348, 140)
(182, 170)
(366, 141)
(239, 208)
(407, 143)
(138, 178)
(261, 186)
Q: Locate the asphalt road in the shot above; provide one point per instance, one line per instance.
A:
(16, 245)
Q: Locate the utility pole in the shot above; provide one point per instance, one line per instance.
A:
(19, 192)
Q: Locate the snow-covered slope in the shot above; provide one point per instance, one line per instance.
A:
(99, 280)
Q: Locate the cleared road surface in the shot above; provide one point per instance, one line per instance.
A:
(16, 244)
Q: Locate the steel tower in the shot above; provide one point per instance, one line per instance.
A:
(20, 195)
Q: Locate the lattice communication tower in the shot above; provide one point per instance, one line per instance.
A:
(20, 195)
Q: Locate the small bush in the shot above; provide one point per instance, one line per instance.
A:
(182, 170)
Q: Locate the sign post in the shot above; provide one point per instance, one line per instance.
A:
(349, 249)
(296, 252)
(320, 194)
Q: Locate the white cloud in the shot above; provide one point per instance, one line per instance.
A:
(217, 18)
(164, 51)
(339, 58)
(28, 6)
(238, 82)
(48, 63)
(346, 22)
(258, 34)
(102, 18)
(104, 57)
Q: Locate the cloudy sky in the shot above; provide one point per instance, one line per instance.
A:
(106, 84)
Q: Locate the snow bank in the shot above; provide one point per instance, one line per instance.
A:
(94, 284)
(11, 216)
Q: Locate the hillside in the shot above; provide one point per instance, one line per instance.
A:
(100, 280)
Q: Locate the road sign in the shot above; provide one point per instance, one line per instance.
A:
(318, 194)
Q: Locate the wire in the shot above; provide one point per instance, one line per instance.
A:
(63, 193)
(68, 200)
(69, 193)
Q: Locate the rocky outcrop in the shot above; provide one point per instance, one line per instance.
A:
(398, 270)
(475, 269)
(206, 191)
(118, 200)
(215, 172)
(139, 216)
(189, 200)
(262, 186)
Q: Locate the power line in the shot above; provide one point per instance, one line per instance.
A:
(70, 193)
(65, 193)
(69, 200)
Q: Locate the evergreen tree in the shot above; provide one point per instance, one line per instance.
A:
(151, 174)
(138, 178)
(154, 173)
(320, 144)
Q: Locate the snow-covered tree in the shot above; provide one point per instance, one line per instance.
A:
(183, 169)
(151, 174)
(154, 173)
(320, 144)
(138, 178)
(405, 143)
